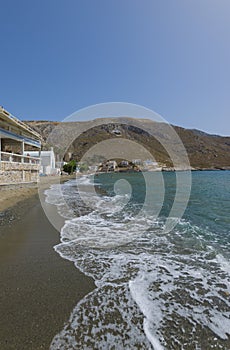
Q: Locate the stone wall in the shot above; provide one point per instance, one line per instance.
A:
(18, 172)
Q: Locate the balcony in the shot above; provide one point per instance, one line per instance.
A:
(13, 161)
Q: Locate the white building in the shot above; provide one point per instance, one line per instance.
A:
(47, 164)
(16, 139)
(150, 162)
(151, 165)
(137, 161)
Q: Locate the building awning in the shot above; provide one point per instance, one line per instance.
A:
(26, 140)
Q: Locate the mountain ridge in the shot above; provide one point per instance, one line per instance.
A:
(205, 151)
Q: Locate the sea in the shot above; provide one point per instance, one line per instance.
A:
(154, 288)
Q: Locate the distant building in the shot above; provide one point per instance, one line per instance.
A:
(16, 140)
(47, 164)
(124, 163)
(137, 161)
(110, 165)
(151, 165)
(150, 162)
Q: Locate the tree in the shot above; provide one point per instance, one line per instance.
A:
(70, 167)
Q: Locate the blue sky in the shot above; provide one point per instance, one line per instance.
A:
(172, 56)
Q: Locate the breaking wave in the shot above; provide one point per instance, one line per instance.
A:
(153, 289)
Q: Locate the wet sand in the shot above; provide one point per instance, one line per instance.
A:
(38, 289)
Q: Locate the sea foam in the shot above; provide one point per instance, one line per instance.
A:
(153, 290)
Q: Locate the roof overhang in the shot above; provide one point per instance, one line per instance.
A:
(10, 135)
(11, 120)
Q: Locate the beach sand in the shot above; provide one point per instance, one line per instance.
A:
(38, 289)
(12, 194)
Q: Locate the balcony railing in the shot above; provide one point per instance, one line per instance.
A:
(19, 123)
(18, 158)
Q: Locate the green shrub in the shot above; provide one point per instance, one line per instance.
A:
(70, 167)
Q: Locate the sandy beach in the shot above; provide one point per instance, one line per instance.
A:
(38, 288)
(12, 194)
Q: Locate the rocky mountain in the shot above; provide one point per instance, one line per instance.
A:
(135, 138)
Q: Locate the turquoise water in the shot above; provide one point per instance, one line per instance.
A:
(154, 289)
(208, 207)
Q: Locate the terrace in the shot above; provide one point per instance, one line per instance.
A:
(16, 139)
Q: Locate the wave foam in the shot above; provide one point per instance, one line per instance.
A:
(153, 290)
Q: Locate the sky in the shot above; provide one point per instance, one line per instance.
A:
(172, 56)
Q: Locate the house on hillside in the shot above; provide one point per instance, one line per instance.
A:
(16, 140)
(137, 161)
(107, 166)
(151, 165)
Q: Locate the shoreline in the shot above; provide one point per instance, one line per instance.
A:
(169, 170)
(39, 289)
